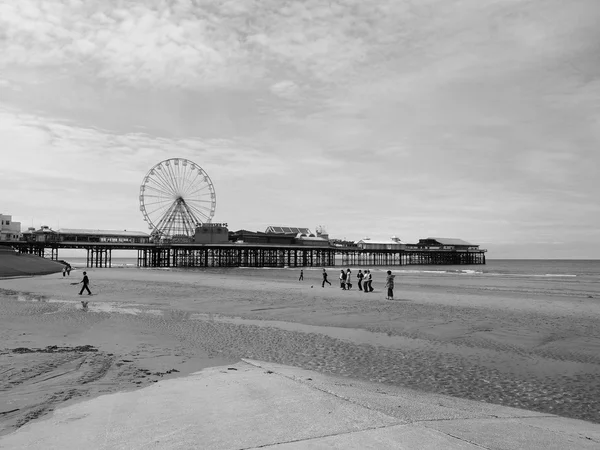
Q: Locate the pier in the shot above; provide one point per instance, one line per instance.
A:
(249, 255)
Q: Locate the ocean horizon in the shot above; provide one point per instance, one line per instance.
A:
(498, 267)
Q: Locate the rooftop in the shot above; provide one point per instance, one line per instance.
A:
(287, 230)
(450, 241)
(375, 241)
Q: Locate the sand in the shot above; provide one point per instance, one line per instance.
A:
(522, 343)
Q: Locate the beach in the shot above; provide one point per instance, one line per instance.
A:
(528, 342)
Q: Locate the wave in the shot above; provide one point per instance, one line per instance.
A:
(535, 275)
(482, 273)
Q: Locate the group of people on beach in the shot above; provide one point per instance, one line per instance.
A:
(365, 281)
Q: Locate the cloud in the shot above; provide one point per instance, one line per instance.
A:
(179, 43)
(9, 84)
(463, 118)
(61, 147)
(285, 89)
(57, 166)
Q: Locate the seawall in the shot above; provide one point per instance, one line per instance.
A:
(14, 264)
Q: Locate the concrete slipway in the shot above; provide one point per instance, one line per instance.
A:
(261, 405)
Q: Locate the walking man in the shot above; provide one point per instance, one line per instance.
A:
(86, 282)
(301, 275)
(389, 284)
(359, 277)
(348, 279)
(325, 280)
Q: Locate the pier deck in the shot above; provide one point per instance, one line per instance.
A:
(252, 255)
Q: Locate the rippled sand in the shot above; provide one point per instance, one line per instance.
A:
(522, 343)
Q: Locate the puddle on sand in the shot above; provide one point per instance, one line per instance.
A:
(107, 307)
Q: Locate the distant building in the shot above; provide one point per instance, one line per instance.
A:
(288, 230)
(322, 233)
(46, 234)
(258, 237)
(313, 241)
(9, 230)
(211, 233)
(278, 238)
(393, 243)
(104, 236)
(435, 243)
(343, 243)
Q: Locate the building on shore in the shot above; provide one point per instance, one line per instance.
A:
(9, 230)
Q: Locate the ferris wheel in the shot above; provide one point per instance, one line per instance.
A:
(176, 196)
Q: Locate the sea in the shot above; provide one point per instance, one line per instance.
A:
(562, 268)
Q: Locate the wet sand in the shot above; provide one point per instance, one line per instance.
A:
(533, 344)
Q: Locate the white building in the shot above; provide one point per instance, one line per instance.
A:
(393, 243)
(9, 230)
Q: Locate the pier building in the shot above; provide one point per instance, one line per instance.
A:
(393, 243)
(432, 243)
(211, 233)
(47, 234)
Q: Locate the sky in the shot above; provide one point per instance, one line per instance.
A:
(471, 119)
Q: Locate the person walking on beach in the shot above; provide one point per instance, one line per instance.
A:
(325, 280)
(69, 269)
(359, 277)
(301, 275)
(65, 271)
(348, 279)
(366, 281)
(389, 284)
(343, 280)
(371, 282)
(86, 282)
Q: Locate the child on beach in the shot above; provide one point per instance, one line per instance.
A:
(359, 277)
(348, 280)
(389, 284)
(325, 280)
